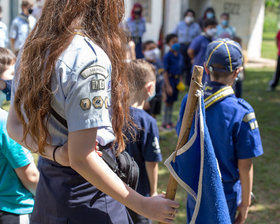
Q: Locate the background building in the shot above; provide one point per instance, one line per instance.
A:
(247, 16)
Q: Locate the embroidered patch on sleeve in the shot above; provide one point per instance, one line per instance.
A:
(94, 70)
(97, 102)
(85, 103)
(98, 84)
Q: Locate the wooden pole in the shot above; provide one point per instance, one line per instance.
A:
(186, 124)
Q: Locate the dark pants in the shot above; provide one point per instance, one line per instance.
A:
(9, 218)
(274, 82)
(187, 68)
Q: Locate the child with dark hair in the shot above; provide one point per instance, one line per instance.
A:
(197, 48)
(224, 30)
(152, 55)
(7, 63)
(232, 125)
(145, 150)
(173, 62)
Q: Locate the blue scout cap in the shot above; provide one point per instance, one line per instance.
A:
(224, 52)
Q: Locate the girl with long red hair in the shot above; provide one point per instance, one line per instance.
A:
(73, 63)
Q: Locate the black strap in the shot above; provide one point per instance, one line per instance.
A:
(105, 156)
(59, 118)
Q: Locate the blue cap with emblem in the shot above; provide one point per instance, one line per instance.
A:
(223, 55)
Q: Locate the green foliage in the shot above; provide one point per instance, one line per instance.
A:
(272, 3)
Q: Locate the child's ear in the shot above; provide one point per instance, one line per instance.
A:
(237, 71)
(150, 87)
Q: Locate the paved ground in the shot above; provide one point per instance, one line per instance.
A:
(260, 63)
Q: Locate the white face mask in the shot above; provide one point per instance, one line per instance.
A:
(211, 32)
(152, 55)
(189, 19)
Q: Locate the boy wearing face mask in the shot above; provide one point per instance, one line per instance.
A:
(173, 62)
(224, 30)
(145, 148)
(187, 30)
(198, 46)
(22, 26)
(152, 55)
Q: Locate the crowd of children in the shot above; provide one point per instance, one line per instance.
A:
(155, 80)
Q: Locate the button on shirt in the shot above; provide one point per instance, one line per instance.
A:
(187, 32)
(20, 29)
(137, 27)
(3, 35)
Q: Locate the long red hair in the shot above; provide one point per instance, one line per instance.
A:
(51, 36)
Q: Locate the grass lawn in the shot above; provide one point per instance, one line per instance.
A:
(269, 48)
(266, 168)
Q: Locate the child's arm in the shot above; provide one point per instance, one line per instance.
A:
(15, 131)
(167, 84)
(152, 171)
(245, 167)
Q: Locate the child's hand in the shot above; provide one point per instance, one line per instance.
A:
(169, 90)
(242, 214)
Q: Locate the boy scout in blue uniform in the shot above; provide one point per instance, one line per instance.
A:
(232, 125)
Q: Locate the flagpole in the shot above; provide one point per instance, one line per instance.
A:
(186, 124)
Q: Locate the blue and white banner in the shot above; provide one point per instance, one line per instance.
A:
(196, 170)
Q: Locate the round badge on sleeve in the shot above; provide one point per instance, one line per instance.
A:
(85, 104)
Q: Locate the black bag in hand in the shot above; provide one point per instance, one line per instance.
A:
(124, 166)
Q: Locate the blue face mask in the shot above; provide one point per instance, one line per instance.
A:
(8, 88)
(224, 22)
(209, 15)
(176, 47)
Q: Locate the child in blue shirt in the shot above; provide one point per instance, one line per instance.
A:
(173, 62)
(197, 48)
(145, 148)
(152, 55)
(232, 126)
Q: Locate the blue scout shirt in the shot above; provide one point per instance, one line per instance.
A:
(173, 63)
(14, 197)
(3, 35)
(187, 32)
(82, 95)
(146, 148)
(199, 45)
(233, 129)
(20, 29)
(137, 27)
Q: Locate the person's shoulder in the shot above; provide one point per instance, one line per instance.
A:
(83, 52)
(245, 105)
(195, 25)
(140, 114)
(32, 19)
(278, 34)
